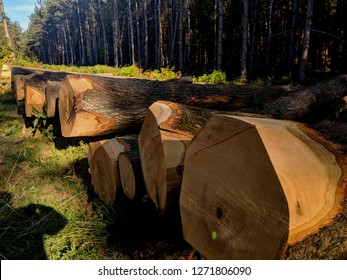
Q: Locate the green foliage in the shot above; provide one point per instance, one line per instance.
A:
(163, 74)
(216, 77)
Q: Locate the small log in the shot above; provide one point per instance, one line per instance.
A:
(251, 187)
(312, 102)
(51, 97)
(130, 167)
(103, 168)
(166, 132)
(35, 86)
(94, 105)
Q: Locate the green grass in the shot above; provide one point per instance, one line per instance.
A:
(48, 209)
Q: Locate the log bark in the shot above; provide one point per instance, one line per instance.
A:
(313, 102)
(251, 187)
(16, 70)
(90, 105)
(130, 168)
(51, 96)
(103, 168)
(35, 86)
(167, 130)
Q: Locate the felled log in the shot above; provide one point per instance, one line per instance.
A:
(51, 98)
(19, 85)
(313, 102)
(94, 105)
(130, 167)
(251, 187)
(35, 90)
(103, 168)
(17, 70)
(166, 132)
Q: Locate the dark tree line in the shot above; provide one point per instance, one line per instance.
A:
(247, 39)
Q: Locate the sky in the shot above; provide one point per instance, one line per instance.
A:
(19, 10)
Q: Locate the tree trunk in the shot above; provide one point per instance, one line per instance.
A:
(103, 168)
(4, 22)
(292, 37)
(244, 42)
(247, 187)
(92, 105)
(115, 33)
(131, 37)
(104, 36)
(313, 102)
(269, 33)
(83, 55)
(254, 37)
(220, 35)
(306, 43)
(139, 55)
(146, 32)
(51, 98)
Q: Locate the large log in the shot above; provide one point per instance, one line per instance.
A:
(166, 132)
(251, 187)
(312, 102)
(35, 86)
(92, 105)
(103, 168)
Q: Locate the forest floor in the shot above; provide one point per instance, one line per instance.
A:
(48, 209)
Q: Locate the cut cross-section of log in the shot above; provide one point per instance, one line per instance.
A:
(167, 130)
(103, 168)
(16, 70)
(253, 186)
(52, 95)
(94, 105)
(130, 167)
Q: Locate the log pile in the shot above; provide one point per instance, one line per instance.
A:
(248, 186)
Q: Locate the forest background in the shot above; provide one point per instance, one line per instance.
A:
(248, 40)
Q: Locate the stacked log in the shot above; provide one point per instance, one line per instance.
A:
(114, 165)
(94, 105)
(35, 87)
(51, 98)
(166, 133)
(253, 186)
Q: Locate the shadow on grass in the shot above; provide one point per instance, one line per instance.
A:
(22, 229)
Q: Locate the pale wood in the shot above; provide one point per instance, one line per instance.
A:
(51, 98)
(103, 168)
(253, 186)
(167, 130)
(130, 167)
(94, 105)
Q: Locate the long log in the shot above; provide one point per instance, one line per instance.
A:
(166, 132)
(17, 70)
(92, 105)
(19, 86)
(251, 187)
(312, 102)
(51, 98)
(35, 86)
(103, 168)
